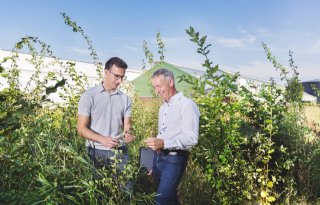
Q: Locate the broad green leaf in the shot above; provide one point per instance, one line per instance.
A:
(271, 199)
(263, 194)
(271, 151)
(270, 184)
(269, 121)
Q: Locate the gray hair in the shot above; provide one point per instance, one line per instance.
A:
(164, 72)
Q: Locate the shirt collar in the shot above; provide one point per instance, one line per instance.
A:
(101, 89)
(175, 98)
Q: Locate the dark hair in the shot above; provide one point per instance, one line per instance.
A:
(164, 72)
(115, 61)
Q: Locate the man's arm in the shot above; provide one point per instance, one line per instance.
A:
(154, 143)
(187, 138)
(84, 131)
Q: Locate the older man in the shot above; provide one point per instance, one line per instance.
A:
(178, 129)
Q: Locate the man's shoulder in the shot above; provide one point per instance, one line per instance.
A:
(185, 99)
(123, 94)
(95, 89)
(188, 102)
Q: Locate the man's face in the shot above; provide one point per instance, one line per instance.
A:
(114, 76)
(162, 86)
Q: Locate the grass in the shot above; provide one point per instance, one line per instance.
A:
(312, 113)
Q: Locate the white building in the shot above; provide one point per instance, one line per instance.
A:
(309, 98)
(27, 69)
(253, 84)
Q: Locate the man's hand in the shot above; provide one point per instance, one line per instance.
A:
(128, 137)
(154, 143)
(109, 142)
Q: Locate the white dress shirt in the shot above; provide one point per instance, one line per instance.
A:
(178, 124)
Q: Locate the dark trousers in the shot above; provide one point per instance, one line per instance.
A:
(103, 158)
(167, 171)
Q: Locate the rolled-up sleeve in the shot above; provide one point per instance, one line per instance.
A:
(128, 108)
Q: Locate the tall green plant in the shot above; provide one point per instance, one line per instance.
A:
(291, 134)
(294, 88)
(241, 148)
(219, 138)
(39, 142)
(93, 54)
(160, 47)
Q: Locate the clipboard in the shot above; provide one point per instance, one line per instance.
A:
(146, 158)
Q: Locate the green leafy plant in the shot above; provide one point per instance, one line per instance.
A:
(244, 149)
(253, 149)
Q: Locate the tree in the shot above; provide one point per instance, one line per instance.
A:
(294, 90)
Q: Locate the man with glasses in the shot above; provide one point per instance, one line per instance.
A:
(104, 117)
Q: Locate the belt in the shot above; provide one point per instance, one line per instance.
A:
(173, 152)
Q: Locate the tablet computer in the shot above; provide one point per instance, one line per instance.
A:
(146, 158)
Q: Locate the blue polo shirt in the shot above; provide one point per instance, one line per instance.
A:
(106, 111)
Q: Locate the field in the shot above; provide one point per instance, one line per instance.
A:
(312, 113)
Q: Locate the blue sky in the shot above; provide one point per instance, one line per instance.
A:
(235, 28)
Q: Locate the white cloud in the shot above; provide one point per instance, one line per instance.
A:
(265, 71)
(262, 30)
(78, 50)
(249, 38)
(175, 41)
(309, 48)
(309, 72)
(242, 30)
(131, 48)
(236, 42)
(241, 41)
(255, 69)
(230, 42)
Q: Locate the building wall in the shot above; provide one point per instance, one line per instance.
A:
(27, 69)
(307, 86)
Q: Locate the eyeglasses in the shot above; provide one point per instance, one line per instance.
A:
(117, 77)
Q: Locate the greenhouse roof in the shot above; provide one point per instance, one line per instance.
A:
(142, 84)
